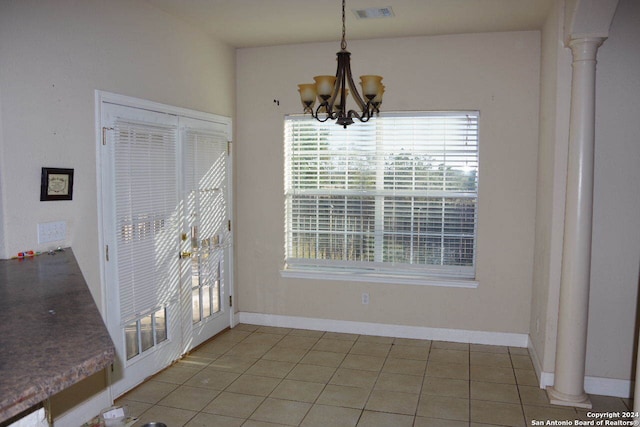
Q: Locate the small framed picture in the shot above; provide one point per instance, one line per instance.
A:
(56, 184)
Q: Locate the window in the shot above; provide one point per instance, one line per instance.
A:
(145, 333)
(393, 198)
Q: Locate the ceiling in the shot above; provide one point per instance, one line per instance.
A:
(252, 23)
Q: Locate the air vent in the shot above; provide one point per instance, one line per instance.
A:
(374, 12)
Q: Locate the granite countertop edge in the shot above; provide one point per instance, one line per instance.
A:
(35, 394)
(52, 333)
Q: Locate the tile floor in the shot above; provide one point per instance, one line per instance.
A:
(255, 376)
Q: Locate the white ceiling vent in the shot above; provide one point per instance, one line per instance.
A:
(374, 12)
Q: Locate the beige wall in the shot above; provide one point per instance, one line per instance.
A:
(497, 74)
(616, 214)
(53, 56)
(555, 92)
(616, 224)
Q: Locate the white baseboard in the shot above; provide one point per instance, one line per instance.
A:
(235, 319)
(545, 379)
(608, 386)
(592, 385)
(537, 365)
(85, 411)
(388, 330)
(596, 385)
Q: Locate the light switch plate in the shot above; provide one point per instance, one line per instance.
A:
(52, 232)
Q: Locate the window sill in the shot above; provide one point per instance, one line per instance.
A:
(396, 279)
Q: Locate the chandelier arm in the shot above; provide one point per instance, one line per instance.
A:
(354, 90)
(329, 115)
(319, 118)
(338, 88)
(365, 117)
(354, 113)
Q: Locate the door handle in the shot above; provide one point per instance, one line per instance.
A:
(185, 254)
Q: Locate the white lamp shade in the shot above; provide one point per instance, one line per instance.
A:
(307, 93)
(324, 85)
(370, 85)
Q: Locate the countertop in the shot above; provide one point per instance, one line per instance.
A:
(51, 332)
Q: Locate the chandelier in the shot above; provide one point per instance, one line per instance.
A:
(332, 91)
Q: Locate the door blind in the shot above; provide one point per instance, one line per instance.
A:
(146, 215)
(205, 178)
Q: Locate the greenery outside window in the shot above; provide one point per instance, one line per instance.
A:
(392, 198)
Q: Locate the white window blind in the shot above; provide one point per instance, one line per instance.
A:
(205, 179)
(146, 215)
(397, 194)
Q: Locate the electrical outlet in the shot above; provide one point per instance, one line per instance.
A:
(52, 231)
(365, 297)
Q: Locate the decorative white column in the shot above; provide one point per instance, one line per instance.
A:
(568, 387)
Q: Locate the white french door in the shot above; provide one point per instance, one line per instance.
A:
(206, 232)
(165, 186)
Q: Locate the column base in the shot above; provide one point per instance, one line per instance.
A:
(578, 401)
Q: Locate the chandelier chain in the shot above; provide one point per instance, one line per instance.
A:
(343, 44)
